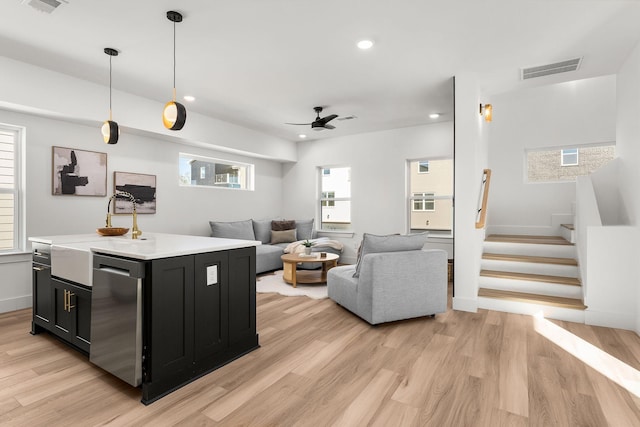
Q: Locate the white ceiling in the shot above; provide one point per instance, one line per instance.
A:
(261, 63)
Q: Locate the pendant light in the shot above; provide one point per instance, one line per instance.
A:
(110, 130)
(174, 114)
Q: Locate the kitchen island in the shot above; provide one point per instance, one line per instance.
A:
(157, 312)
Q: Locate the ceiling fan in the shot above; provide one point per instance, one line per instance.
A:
(319, 123)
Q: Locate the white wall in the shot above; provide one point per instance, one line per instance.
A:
(183, 210)
(28, 88)
(578, 112)
(628, 149)
(378, 176)
(470, 160)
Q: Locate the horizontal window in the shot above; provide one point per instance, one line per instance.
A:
(565, 164)
(202, 171)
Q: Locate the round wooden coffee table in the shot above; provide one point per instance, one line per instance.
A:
(293, 276)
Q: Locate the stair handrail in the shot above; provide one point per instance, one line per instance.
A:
(481, 214)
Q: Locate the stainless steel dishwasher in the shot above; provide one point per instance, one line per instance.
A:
(116, 317)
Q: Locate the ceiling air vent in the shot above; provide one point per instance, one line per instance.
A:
(46, 6)
(546, 70)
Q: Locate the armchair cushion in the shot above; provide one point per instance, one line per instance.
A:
(372, 243)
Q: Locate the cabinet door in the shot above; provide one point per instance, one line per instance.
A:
(42, 293)
(72, 313)
(171, 317)
(242, 297)
(211, 311)
(62, 322)
(81, 316)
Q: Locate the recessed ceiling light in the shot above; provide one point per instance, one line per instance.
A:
(189, 98)
(434, 115)
(365, 44)
(302, 136)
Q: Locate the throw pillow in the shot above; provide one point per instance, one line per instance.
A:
(304, 229)
(391, 243)
(233, 230)
(284, 236)
(262, 230)
(283, 225)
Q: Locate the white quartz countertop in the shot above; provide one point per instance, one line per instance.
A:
(149, 246)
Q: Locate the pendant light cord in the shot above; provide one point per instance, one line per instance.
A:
(110, 88)
(174, 61)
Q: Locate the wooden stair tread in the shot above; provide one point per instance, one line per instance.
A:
(539, 240)
(568, 226)
(532, 298)
(562, 280)
(528, 258)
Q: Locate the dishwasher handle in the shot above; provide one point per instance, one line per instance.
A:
(121, 266)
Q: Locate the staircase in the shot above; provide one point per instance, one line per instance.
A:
(529, 274)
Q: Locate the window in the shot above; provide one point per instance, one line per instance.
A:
(209, 172)
(424, 202)
(430, 196)
(11, 182)
(328, 195)
(335, 198)
(543, 165)
(569, 157)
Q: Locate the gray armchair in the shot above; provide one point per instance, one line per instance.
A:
(394, 285)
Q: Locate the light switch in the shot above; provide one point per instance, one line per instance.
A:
(212, 275)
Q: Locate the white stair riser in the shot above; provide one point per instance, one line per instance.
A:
(550, 312)
(530, 287)
(556, 251)
(569, 235)
(530, 268)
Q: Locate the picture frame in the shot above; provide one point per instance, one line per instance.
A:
(76, 172)
(141, 186)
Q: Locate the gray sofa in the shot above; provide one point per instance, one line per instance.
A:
(267, 255)
(394, 279)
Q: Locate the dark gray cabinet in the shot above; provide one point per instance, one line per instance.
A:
(71, 313)
(41, 297)
(199, 315)
(41, 287)
(60, 307)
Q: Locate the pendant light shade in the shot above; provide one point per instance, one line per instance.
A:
(110, 130)
(174, 114)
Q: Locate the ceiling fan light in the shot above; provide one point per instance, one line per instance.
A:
(174, 115)
(110, 132)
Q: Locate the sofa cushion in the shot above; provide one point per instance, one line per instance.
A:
(304, 229)
(262, 230)
(283, 225)
(391, 243)
(284, 236)
(233, 230)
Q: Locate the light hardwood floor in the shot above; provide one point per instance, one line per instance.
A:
(319, 365)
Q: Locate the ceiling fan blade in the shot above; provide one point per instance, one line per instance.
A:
(329, 127)
(298, 124)
(327, 119)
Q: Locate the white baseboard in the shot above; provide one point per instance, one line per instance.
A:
(465, 304)
(16, 303)
(610, 320)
